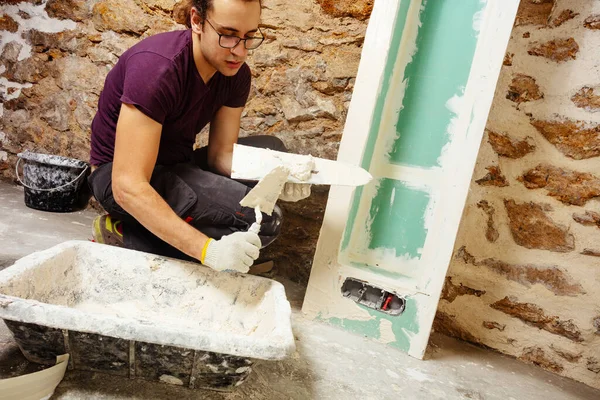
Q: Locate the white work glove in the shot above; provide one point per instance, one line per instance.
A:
(294, 191)
(235, 252)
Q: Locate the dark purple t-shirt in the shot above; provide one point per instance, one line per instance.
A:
(158, 75)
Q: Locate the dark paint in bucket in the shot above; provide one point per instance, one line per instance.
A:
(54, 183)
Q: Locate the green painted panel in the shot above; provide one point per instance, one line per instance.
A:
(377, 113)
(397, 218)
(402, 325)
(385, 84)
(439, 70)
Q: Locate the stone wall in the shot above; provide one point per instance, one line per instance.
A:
(525, 276)
(55, 55)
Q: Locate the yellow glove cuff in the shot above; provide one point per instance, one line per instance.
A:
(203, 254)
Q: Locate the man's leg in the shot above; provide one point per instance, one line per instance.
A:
(134, 236)
(208, 201)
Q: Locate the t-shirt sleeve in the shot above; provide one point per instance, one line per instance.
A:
(150, 84)
(241, 88)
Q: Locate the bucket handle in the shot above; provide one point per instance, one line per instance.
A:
(47, 190)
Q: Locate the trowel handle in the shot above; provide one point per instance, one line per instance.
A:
(254, 228)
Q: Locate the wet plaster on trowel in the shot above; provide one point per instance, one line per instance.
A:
(301, 169)
(265, 194)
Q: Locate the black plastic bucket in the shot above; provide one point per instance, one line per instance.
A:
(53, 183)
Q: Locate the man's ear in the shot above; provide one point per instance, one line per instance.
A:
(196, 21)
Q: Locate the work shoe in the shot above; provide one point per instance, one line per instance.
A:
(107, 230)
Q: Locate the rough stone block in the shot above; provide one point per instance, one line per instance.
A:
(535, 316)
(590, 218)
(574, 139)
(8, 24)
(592, 22)
(569, 187)
(551, 277)
(359, 9)
(491, 233)
(451, 291)
(505, 146)
(586, 98)
(534, 12)
(570, 357)
(536, 355)
(523, 89)
(533, 229)
(76, 10)
(593, 364)
(564, 16)
(493, 325)
(494, 177)
(123, 16)
(558, 50)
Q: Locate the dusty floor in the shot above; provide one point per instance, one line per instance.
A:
(329, 363)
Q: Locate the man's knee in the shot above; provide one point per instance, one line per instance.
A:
(264, 142)
(274, 143)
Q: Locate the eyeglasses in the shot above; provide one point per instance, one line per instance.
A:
(231, 41)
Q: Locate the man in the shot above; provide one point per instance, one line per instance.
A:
(169, 199)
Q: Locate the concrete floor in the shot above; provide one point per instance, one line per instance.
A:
(329, 363)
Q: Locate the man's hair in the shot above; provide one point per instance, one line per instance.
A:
(203, 7)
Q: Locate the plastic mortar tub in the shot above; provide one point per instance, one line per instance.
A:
(138, 315)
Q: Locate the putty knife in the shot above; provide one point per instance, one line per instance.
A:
(264, 195)
(253, 163)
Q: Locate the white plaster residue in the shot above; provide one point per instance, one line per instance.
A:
(392, 374)
(386, 334)
(9, 90)
(302, 170)
(39, 20)
(171, 379)
(478, 17)
(418, 375)
(456, 105)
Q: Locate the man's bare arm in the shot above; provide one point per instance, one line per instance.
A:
(136, 151)
(224, 131)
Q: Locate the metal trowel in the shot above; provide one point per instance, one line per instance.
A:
(265, 194)
(252, 163)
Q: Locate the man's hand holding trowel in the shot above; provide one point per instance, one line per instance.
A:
(238, 251)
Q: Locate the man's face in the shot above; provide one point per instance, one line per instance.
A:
(228, 17)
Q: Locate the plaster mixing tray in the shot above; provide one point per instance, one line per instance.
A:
(135, 314)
